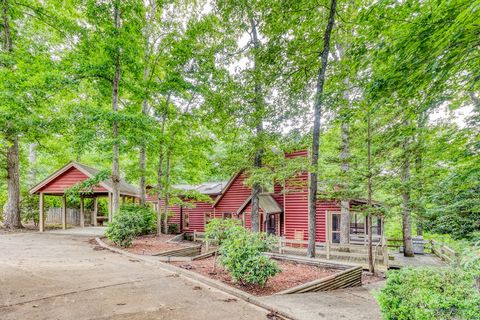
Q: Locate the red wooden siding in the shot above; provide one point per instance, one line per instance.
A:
(296, 205)
(233, 198)
(247, 217)
(173, 212)
(196, 216)
(67, 180)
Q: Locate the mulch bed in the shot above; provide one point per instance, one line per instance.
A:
(152, 244)
(293, 274)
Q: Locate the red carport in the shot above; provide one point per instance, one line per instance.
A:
(70, 175)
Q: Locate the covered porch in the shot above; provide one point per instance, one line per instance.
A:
(70, 175)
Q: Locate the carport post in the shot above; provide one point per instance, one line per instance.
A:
(109, 207)
(95, 211)
(82, 216)
(64, 212)
(41, 220)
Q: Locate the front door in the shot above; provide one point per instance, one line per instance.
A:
(271, 224)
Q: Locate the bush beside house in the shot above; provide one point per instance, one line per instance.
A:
(131, 221)
(242, 252)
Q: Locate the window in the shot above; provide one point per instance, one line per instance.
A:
(227, 215)
(208, 217)
(357, 224)
(186, 220)
(335, 227)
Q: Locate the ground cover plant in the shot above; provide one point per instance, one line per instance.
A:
(430, 293)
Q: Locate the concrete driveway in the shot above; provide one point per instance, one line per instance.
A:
(64, 276)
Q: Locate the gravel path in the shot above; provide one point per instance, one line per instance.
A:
(61, 276)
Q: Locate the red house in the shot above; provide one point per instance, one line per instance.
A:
(284, 212)
(193, 214)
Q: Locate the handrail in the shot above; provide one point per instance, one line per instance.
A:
(443, 252)
(375, 254)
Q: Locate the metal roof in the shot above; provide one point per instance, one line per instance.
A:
(266, 202)
(210, 188)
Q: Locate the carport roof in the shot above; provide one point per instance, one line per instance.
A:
(125, 188)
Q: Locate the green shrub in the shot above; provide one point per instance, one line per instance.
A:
(242, 252)
(29, 209)
(130, 222)
(429, 293)
(173, 228)
(220, 229)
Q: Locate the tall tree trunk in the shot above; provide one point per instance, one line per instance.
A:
(406, 207)
(142, 167)
(116, 143)
(159, 193)
(12, 214)
(344, 202)
(7, 39)
(160, 170)
(420, 210)
(149, 16)
(167, 192)
(32, 159)
(371, 266)
(312, 190)
(257, 163)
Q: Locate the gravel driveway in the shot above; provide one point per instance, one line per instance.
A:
(64, 276)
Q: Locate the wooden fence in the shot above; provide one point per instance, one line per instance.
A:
(351, 277)
(54, 216)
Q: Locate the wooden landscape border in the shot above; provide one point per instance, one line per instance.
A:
(351, 277)
(181, 252)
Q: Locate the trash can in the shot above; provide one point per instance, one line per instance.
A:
(418, 245)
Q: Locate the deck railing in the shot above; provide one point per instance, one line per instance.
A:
(330, 251)
(442, 251)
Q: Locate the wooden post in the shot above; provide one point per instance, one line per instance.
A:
(109, 207)
(95, 211)
(41, 220)
(64, 212)
(82, 214)
(365, 231)
(329, 234)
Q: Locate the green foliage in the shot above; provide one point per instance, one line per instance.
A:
(242, 251)
(429, 293)
(29, 209)
(87, 185)
(173, 228)
(470, 261)
(131, 221)
(220, 229)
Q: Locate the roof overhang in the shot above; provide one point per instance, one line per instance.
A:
(266, 202)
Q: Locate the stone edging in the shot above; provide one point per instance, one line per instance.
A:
(200, 278)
